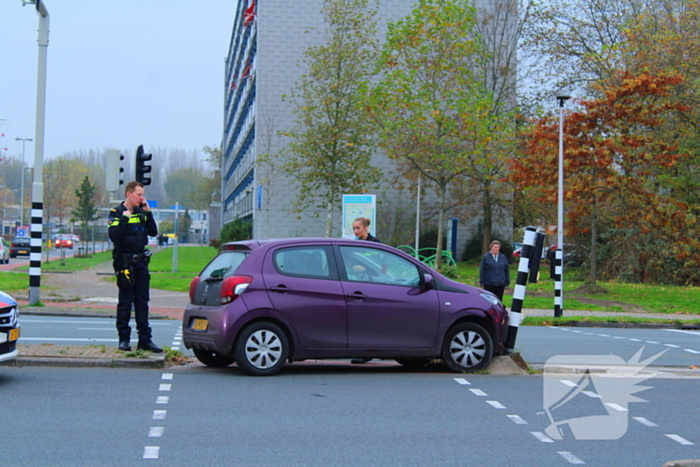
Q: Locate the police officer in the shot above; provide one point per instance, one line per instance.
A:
(130, 225)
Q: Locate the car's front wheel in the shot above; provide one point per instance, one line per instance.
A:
(467, 348)
(262, 349)
(213, 359)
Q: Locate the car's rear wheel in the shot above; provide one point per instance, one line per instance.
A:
(413, 362)
(262, 349)
(467, 348)
(213, 359)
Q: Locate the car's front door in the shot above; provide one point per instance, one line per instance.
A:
(387, 307)
(302, 283)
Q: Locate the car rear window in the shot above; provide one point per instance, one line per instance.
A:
(21, 241)
(224, 265)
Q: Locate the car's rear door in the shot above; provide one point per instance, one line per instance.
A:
(302, 283)
(387, 307)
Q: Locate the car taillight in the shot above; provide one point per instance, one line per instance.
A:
(193, 287)
(232, 287)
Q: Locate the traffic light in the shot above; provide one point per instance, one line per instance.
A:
(113, 170)
(141, 168)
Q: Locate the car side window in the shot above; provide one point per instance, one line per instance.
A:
(378, 267)
(303, 261)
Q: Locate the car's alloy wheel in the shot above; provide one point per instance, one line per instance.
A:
(262, 349)
(467, 347)
(213, 359)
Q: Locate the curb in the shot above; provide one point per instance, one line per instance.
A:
(72, 362)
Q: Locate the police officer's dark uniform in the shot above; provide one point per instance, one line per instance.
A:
(130, 261)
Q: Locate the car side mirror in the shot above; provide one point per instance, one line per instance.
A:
(428, 281)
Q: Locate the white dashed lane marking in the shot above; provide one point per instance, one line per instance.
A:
(681, 440)
(151, 452)
(517, 419)
(462, 381)
(570, 457)
(478, 392)
(644, 421)
(496, 404)
(541, 436)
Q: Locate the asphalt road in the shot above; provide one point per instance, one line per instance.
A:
(537, 344)
(37, 330)
(318, 415)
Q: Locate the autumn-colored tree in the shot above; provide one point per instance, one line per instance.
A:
(331, 144)
(616, 170)
(429, 105)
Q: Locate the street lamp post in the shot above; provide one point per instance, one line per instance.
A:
(38, 184)
(559, 269)
(21, 190)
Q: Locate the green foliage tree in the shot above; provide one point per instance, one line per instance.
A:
(331, 142)
(86, 209)
(239, 229)
(209, 188)
(166, 227)
(430, 108)
(181, 186)
(183, 226)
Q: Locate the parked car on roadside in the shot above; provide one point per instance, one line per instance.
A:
(262, 303)
(64, 241)
(9, 327)
(20, 247)
(4, 252)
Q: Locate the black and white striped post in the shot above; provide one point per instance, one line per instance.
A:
(35, 252)
(514, 314)
(558, 283)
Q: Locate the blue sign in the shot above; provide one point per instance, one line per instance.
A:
(20, 233)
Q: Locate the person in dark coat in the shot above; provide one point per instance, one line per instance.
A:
(130, 225)
(494, 274)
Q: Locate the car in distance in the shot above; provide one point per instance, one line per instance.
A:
(20, 247)
(64, 241)
(4, 252)
(9, 328)
(262, 303)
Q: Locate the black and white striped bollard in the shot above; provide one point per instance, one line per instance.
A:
(519, 290)
(558, 283)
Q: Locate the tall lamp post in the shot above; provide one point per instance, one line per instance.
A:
(21, 190)
(38, 184)
(559, 269)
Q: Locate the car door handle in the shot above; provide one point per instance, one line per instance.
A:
(281, 288)
(358, 295)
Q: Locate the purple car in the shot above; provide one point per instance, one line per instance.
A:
(263, 303)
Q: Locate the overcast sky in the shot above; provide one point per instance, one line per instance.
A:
(120, 73)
